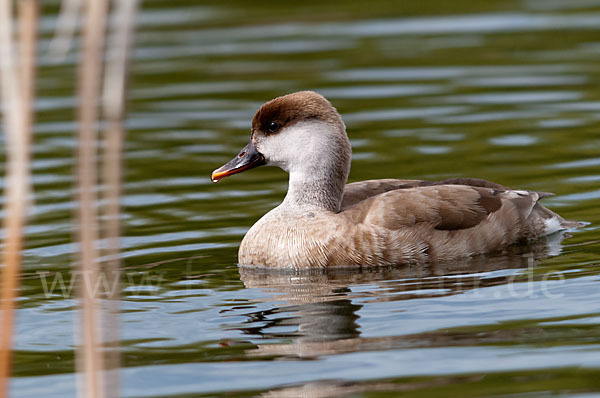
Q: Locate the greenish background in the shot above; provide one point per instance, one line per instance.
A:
(502, 90)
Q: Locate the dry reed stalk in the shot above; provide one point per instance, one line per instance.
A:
(28, 20)
(90, 359)
(17, 109)
(115, 82)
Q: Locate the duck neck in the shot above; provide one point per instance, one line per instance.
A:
(317, 188)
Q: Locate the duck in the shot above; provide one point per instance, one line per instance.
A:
(325, 222)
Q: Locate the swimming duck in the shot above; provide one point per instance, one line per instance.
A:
(324, 222)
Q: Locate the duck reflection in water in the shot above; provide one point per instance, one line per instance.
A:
(321, 316)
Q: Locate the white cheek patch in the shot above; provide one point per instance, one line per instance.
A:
(295, 145)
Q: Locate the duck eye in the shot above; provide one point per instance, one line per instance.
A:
(273, 127)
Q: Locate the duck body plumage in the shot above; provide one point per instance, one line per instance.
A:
(389, 222)
(324, 222)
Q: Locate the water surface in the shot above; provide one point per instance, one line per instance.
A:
(502, 90)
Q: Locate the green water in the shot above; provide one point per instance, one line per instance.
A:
(503, 90)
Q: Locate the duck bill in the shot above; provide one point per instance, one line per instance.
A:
(247, 159)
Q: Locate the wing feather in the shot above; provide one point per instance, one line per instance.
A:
(444, 207)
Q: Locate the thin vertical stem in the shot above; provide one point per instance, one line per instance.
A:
(115, 82)
(28, 20)
(112, 229)
(17, 95)
(90, 358)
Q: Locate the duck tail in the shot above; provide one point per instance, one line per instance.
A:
(547, 222)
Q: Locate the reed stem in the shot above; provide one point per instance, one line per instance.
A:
(115, 82)
(90, 359)
(17, 104)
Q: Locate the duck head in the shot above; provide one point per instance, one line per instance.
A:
(301, 133)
